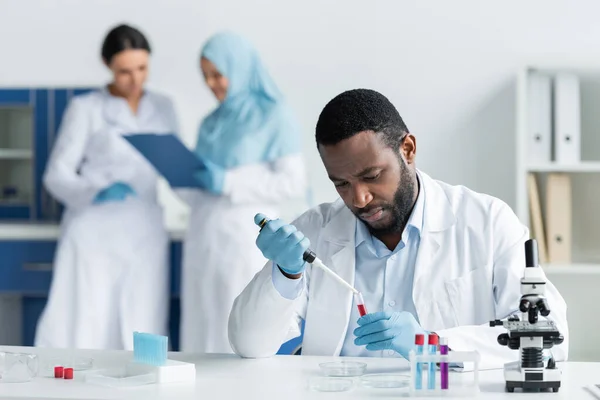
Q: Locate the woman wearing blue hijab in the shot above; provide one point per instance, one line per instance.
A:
(251, 148)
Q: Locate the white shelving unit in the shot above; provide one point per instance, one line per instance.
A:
(585, 174)
(579, 279)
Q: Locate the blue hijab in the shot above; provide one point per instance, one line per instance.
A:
(253, 124)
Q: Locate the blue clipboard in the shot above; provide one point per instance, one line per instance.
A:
(169, 156)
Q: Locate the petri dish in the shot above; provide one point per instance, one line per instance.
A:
(385, 381)
(77, 363)
(330, 384)
(343, 368)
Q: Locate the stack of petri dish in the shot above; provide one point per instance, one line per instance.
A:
(338, 376)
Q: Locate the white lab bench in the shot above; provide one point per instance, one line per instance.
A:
(226, 377)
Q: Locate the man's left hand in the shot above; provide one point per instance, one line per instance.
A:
(388, 331)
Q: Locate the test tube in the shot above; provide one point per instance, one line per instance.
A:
(444, 365)
(360, 304)
(419, 342)
(433, 344)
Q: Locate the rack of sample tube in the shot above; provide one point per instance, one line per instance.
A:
(430, 375)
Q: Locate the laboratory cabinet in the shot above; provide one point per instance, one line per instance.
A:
(29, 121)
(25, 277)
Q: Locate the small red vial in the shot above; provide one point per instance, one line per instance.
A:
(58, 372)
(68, 373)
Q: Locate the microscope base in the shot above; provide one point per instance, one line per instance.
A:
(531, 380)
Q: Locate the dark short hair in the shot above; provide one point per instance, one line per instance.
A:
(356, 111)
(121, 38)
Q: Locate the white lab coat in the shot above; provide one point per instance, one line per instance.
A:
(468, 270)
(111, 271)
(220, 256)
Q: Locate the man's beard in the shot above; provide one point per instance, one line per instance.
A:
(403, 203)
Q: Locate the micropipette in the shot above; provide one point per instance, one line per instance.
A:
(310, 257)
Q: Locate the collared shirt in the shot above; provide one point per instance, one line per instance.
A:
(384, 277)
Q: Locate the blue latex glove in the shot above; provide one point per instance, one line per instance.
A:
(211, 177)
(388, 331)
(283, 244)
(116, 192)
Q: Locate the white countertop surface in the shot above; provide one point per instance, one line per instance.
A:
(226, 377)
(41, 231)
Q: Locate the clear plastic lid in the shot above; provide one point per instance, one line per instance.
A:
(119, 377)
(17, 367)
(343, 368)
(330, 384)
(385, 381)
(47, 364)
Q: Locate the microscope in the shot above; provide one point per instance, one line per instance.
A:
(530, 336)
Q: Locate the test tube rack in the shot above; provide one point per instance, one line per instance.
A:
(456, 388)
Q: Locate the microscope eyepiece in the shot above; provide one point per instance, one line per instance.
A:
(531, 253)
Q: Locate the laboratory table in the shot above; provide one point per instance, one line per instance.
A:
(226, 377)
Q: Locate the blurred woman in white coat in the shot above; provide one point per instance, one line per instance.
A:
(111, 271)
(251, 148)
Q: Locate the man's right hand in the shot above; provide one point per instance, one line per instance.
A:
(283, 244)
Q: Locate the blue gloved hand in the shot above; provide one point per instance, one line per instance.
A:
(211, 177)
(283, 244)
(388, 331)
(116, 192)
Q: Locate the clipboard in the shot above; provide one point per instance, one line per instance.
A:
(169, 156)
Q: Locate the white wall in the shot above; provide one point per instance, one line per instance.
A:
(448, 66)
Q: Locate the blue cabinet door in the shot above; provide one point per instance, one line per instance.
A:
(48, 106)
(26, 269)
(26, 266)
(11, 98)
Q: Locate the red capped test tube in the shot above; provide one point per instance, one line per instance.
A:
(360, 304)
(58, 371)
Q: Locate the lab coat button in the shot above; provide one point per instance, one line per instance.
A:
(392, 303)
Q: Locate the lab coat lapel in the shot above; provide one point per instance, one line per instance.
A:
(438, 216)
(118, 115)
(338, 238)
(148, 112)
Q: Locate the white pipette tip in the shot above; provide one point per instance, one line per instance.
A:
(318, 263)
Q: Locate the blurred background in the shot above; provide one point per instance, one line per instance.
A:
(456, 71)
